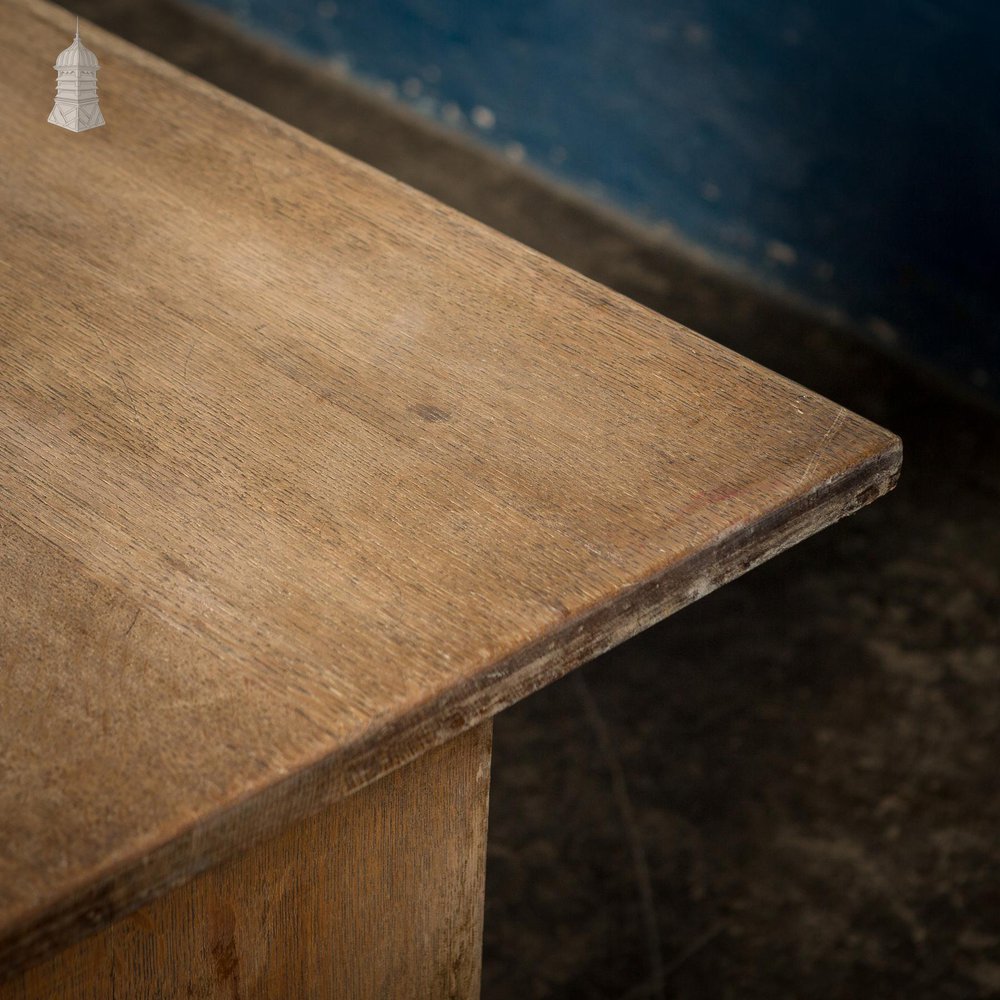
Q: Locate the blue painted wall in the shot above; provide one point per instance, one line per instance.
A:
(848, 151)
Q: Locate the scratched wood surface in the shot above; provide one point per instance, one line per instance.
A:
(302, 473)
(394, 910)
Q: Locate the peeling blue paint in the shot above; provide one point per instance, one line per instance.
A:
(846, 151)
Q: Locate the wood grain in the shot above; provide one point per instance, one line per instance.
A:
(302, 474)
(378, 896)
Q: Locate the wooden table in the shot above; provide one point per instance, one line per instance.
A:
(304, 477)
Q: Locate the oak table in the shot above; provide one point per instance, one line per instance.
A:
(304, 477)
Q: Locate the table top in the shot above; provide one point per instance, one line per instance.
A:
(302, 473)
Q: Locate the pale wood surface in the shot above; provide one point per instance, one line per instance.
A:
(378, 896)
(302, 473)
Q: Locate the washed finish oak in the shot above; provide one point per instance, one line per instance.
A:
(303, 474)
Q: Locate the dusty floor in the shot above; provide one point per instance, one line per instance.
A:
(791, 788)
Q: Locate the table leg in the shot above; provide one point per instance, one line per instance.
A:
(379, 895)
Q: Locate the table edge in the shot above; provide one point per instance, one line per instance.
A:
(106, 895)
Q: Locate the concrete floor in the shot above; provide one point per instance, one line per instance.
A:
(790, 788)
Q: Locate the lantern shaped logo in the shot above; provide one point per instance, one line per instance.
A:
(76, 106)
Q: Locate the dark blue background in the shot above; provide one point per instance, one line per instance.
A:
(844, 150)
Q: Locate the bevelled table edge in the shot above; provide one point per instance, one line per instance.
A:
(130, 883)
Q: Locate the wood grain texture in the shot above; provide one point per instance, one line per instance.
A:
(378, 896)
(302, 473)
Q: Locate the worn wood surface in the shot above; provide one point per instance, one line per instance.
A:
(302, 473)
(379, 895)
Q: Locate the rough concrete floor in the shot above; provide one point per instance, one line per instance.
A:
(791, 788)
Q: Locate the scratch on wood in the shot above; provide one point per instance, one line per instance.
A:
(814, 458)
(134, 620)
(187, 358)
(130, 399)
(262, 194)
